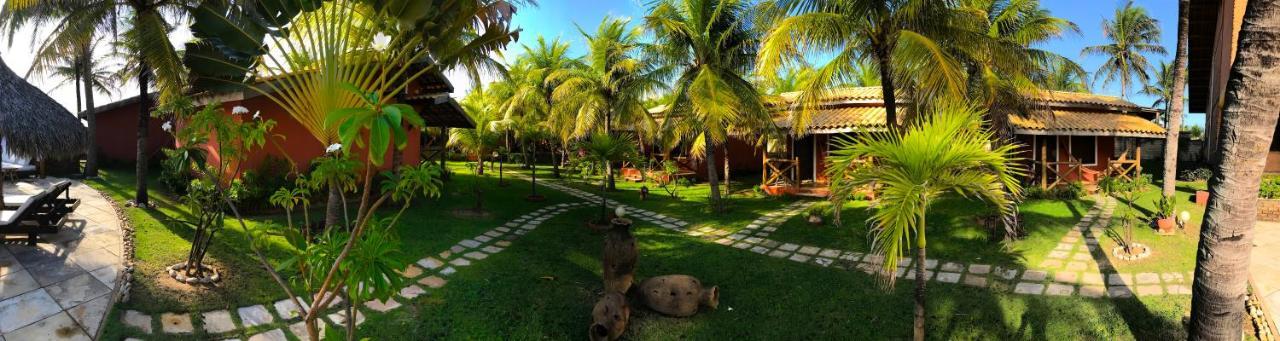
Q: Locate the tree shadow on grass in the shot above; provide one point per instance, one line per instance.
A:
(1142, 322)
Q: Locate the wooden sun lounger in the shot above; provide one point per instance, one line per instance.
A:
(44, 212)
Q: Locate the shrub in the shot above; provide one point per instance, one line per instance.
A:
(1270, 188)
(175, 171)
(1070, 191)
(1198, 174)
(1165, 207)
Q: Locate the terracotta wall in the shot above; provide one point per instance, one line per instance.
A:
(289, 139)
(117, 138)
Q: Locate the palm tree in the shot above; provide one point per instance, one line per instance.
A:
(709, 45)
(481, 140)
(1063, 77)
(81, 67)
(946, 154)
(611, 89)
(607, 149)
(904, 39)
(1132, 33)
(1171, 81)
(146, 25)
(1248, 125)
(534, 86)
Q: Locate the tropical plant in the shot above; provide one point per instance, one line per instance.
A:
(1132, 33)
(213, 146)
(299, 54)
(1128, 190)
(604, 149)
(143, 28)
(1063, 77)
(1162, 88)
(305, 56)
(948, 153)
(710, 47)
(532, 96)
(903, 39)
(1173, 112)
(1165, 207)
(611, 88)
(480, 141)
(1226, 235)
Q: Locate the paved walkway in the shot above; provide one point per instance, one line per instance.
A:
(1264, 267)
(63, 287)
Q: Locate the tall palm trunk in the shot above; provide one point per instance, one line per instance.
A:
(884, 59)
(1169, 184)
(144, 122)
(711, 174)
(1248, 124)
(91, 155)
(920, 293)
(608, 166)
(333, 207)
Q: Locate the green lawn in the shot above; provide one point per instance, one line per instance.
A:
(543, 286)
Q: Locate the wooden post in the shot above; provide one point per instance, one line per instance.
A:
(1138, 158)
(1044, 166)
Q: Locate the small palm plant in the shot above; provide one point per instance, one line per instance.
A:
(607, 149)
(947, 153)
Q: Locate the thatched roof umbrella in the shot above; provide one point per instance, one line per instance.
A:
(35, 126)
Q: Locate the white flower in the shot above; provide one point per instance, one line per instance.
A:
(381, 41)
(239, 110)
(333, 148)
(257, 115)
(167, 126)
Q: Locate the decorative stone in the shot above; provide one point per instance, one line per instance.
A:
(778, 254)
(271, 335)
(1119, 279)
(382, 306)
(1093, 291)
(1058, 254)
(809, 250)
(975, 281)
(789, 247)
(476, 255)
(1147, 278)
(173, 323)
(953, 267)
(1091, 278)
(1177, 289)
(287, 309)
(1119, 291)
(218, 321)
(799, 258)
(411, 272)
(760, 249)
(948, 277)
(1077, 266)
(980, 269)
(433, 282)
(1028, 288)
(824, 262)
(1063, 247)
(460, 262)
(1150, 290)
(469, 243)
(411, 292)
(1060, 289)
(1066, 277)
(137, 320)
(1051, 264)
(254, 316)
(1034, 275)
(448, 271)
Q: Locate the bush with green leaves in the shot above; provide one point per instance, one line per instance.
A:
(1270, 188)
(1197, 174)
(1165, 207)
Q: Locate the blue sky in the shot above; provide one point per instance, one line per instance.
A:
(556, 18)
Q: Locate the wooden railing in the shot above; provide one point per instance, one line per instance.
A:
(1124, 167)
(780, 171)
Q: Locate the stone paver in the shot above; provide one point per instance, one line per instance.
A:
(218, 321)
(287, 309)
(137, 320)
(272, 335)
(255, 315)
(1034, 275)
(1056, 289)
(433, 282)
(60, 326)
(172, 323)
(1029, 288)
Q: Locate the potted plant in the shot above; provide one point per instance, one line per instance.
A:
(1164, 215)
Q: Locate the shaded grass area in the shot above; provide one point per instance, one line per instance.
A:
(543, 287)
(427, 227)
(1175, 253)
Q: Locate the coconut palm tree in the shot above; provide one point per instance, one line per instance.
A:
(145, 27)
(1170, 83)
(1248, 125)
(710, 47)
(612, 87)
(81, 67)
(534, 87)
(904, 39)
(1132, 34)
(946, 154)
(1062, 77)
(480, 141)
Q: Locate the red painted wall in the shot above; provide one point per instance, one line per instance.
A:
(289, 139)
(117, 138)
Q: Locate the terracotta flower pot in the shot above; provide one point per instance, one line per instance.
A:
(1202, 198)
(1166, 225)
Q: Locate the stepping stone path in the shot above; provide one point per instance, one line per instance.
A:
(429, 273)
(1070, 270)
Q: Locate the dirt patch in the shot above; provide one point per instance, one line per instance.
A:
(167, 283)
(471, 213)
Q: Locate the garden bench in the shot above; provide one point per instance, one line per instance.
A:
(43, 212)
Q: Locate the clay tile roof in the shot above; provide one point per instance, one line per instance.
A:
(1084, 122)
(841, 119)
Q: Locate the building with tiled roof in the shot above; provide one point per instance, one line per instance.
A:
(1066, 137)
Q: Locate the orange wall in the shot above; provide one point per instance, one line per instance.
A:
(117, 138)
(288, 138)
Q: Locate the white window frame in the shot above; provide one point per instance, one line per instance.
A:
(1072, 153)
